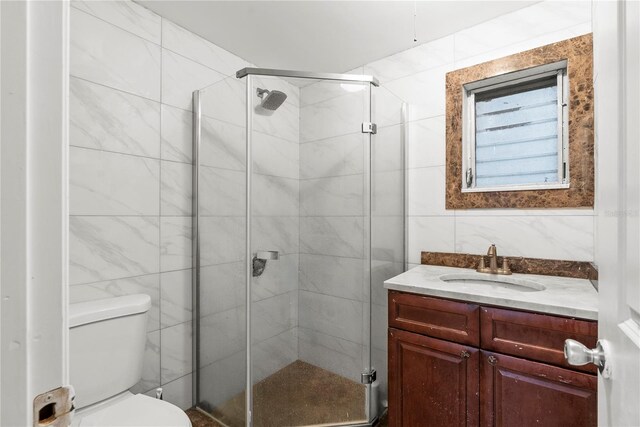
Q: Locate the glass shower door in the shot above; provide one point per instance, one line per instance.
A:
(310, 245)
(220, 250)
(298, 219)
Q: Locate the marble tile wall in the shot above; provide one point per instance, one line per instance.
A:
(132, 75)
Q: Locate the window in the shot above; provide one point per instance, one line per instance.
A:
(515, 134)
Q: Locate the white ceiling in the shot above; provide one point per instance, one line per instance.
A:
(327, 36)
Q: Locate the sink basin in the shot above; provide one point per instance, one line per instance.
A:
(494, 281)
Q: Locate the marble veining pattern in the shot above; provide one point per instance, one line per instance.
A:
(524, 265)
(555, 237)
(222, 239)
(233, 91)
(112, 247)
(151, 365)
(275, 156)
(175, 189)
(328, 352)
(336, 276)
(338, 317)
(578, 52)
(222, 287)
(341, 155)
(175, 297)
(282, 123)
(563, 296)
(279, 277)
(176, 143)
(222, 192)
(222, 144)
(277, 232)
(175, 354)
(127, 15)
(104, 183)
(337, 236)
(96, 55)
(337, 116)
(175, 243)
(332, 196)
(181, 76)
(226, 327)
(112, 120)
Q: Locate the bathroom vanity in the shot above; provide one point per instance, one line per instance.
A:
(469, 349)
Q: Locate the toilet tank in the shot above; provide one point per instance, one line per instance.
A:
(106, 346)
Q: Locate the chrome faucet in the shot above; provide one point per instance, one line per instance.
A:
(492, 253)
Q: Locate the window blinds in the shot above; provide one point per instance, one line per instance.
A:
(516, 134)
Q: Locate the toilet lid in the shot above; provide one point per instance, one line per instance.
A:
(137, 410)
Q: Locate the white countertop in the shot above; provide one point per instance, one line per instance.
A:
(562, 296)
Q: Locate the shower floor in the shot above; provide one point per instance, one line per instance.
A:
(300, 394)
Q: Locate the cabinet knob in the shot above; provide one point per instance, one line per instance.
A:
(465, 354)
(492, 360)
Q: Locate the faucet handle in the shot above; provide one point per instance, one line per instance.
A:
(481, 265)
(505, 266)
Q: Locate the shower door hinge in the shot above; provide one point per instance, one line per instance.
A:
(368, 127)
(368, 377)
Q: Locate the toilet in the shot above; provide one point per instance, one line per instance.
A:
(107, 343)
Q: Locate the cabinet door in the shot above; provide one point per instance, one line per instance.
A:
(519, 392)
(431, 382)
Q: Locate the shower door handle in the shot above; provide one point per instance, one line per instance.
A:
(268, 255)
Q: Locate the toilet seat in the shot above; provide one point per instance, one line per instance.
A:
(132, 410)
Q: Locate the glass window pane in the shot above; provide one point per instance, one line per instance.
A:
(517, 134)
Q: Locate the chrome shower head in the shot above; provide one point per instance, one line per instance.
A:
(271, 99)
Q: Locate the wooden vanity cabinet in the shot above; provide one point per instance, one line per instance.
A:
(453, 363)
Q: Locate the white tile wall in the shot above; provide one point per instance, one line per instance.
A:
(176, 141)
(105, 183)
(132, 76)
(111, 120)
(126, 15)
(112, 247)
(98, 54)
(181, 76)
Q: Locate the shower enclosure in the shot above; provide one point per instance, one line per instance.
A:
(298, 219)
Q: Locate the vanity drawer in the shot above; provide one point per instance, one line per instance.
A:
(439, 318)
(532, 336)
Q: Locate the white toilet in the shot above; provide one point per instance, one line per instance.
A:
(107, 341)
